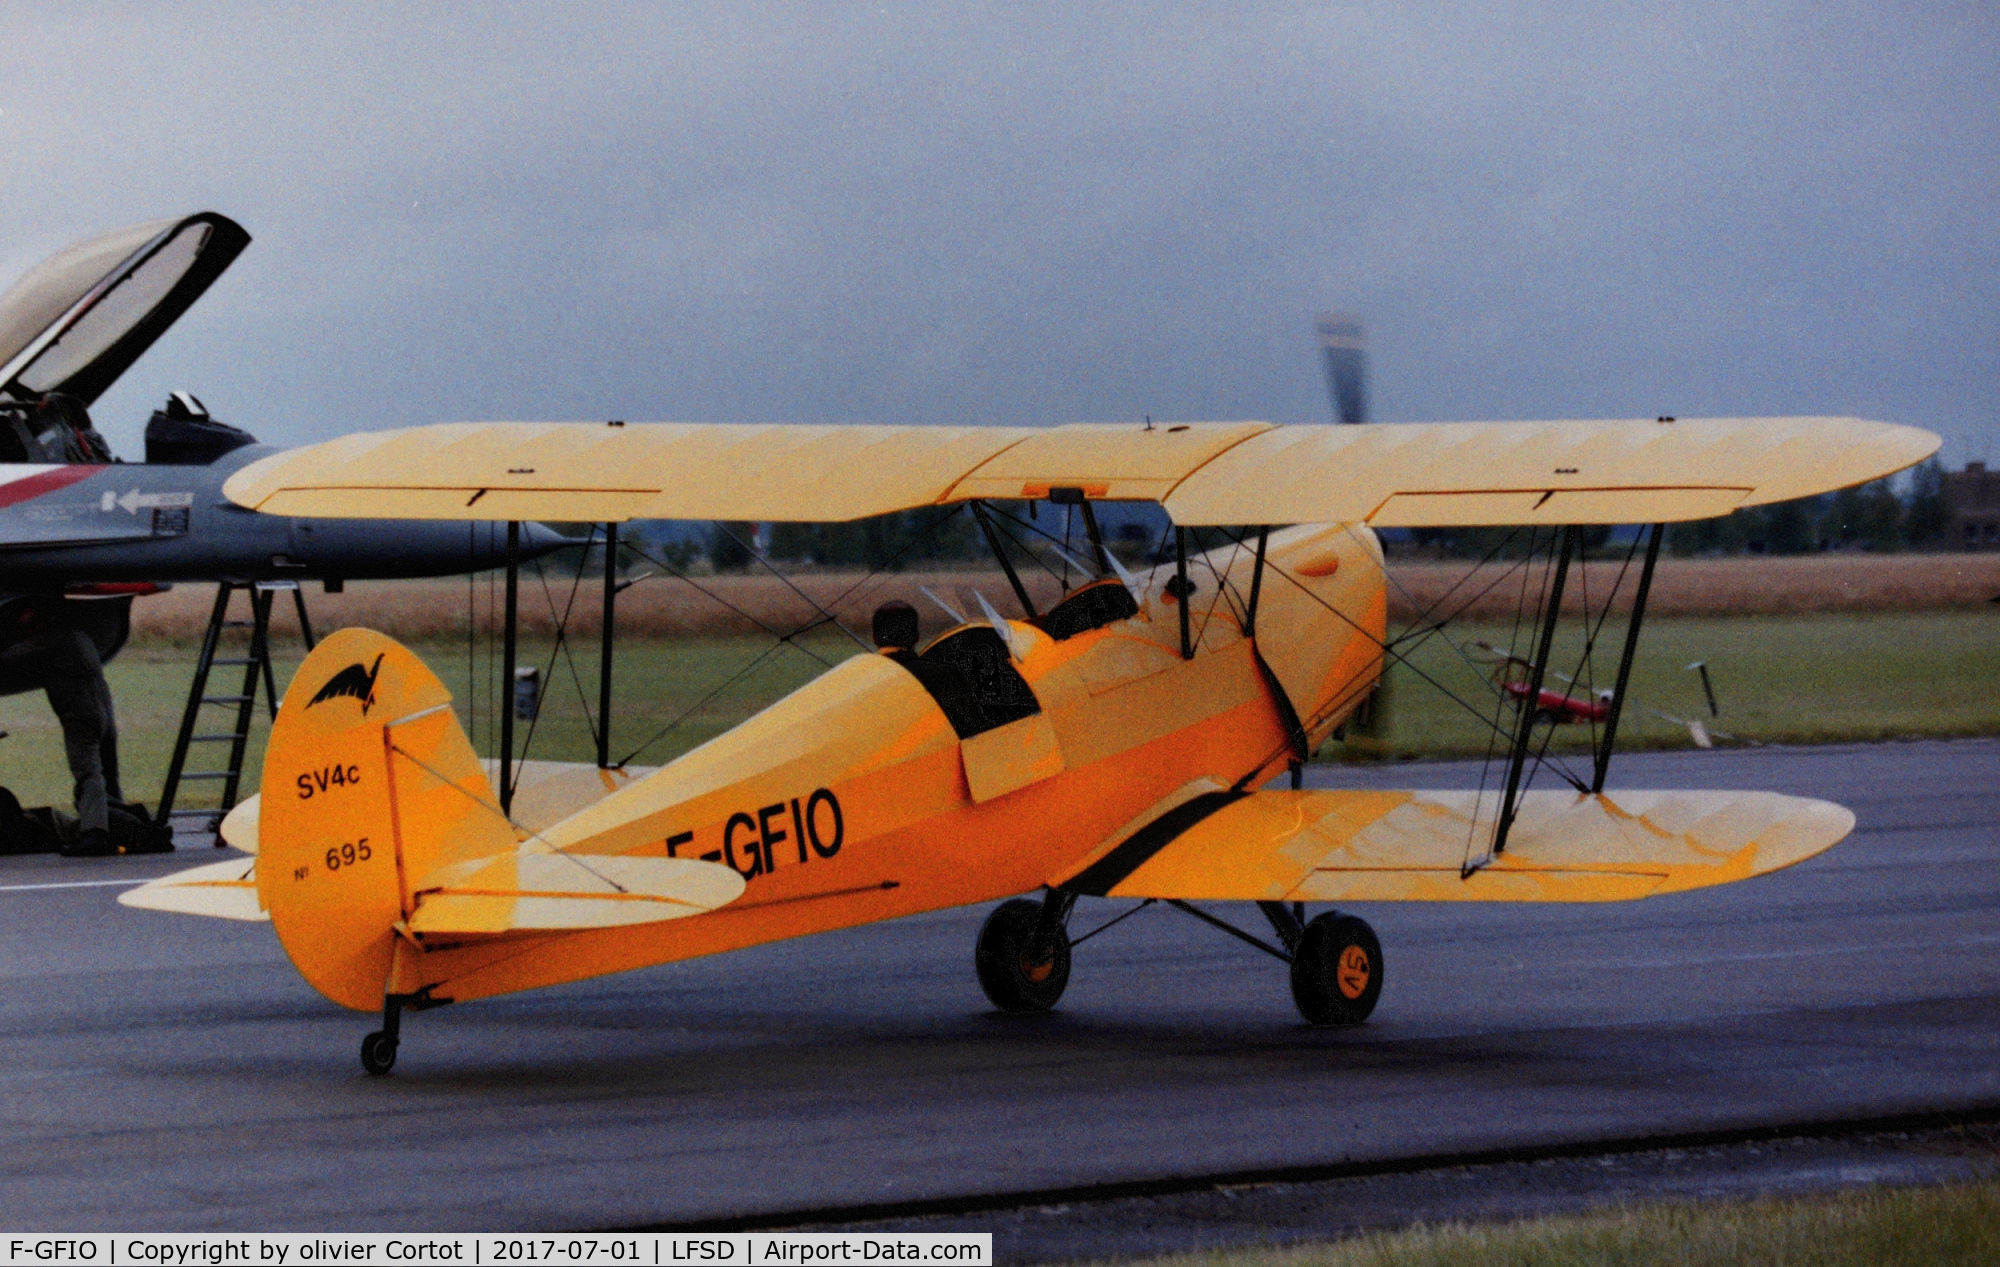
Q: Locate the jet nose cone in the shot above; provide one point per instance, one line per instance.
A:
(539, 539)
(489, 542)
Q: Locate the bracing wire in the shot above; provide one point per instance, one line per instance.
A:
(569, 656)
(1224, 592)
(781, 639)
(698, 705)
(561, 648)
(826, 616)
(1060, 578)
(1388, 651)
(889, 564)
(1499, 707)
(1419, 632)
(497, 812)
(710, 594)
(1585, 675)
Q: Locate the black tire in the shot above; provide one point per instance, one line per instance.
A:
(1337, 971)
(1013, 974)
(378, 1053)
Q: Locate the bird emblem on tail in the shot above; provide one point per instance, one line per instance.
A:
(352, 680)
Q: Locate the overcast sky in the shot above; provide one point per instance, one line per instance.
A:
(1036, 214)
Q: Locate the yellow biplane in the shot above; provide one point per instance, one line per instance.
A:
(1115, 745)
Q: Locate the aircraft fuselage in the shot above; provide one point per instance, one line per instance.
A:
(63, 525)
(855, 798)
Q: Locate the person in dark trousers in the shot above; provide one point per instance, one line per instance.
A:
(53, 651)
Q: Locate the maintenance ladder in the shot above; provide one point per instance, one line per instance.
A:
(256, 665)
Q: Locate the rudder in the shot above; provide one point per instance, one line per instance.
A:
(369, 786)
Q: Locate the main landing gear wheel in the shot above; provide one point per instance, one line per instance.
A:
(1016, 974)
(1336, 971)
(378, 1053)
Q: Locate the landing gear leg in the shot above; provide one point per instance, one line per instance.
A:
(1288, 922)
(1023, 953)
(378, 1050)
(1336, 970)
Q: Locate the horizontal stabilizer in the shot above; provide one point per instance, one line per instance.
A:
(534, 890)
(238, 827)
(546, 792)
(222, 890)
(1370, 846)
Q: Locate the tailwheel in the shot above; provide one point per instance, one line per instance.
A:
(1337, 970)
(378, 1050)
(1017, 973)
(378, 1053)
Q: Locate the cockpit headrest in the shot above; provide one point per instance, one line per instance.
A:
(181, 433)
(896, 625)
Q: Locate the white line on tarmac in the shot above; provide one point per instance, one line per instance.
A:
(72, 884)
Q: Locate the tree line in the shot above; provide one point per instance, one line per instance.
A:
(1870, 516)
(1873, 517)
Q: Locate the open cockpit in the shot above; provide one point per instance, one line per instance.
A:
(72, 324)
(1088, 607)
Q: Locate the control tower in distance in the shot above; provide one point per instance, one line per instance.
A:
(1341, 343)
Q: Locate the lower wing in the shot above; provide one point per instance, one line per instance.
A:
(1367, 846)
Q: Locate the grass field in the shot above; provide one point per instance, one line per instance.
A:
(659, 681)
(1791, 679)
(1935, 1227)
(1778, 679)
(661, 606)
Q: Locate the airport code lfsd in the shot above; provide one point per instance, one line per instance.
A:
(722, 1249)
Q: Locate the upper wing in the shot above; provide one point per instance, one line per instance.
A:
(672, 470)
(1452, 473)
(599, 473)
(1408, 474)
(1361, 846)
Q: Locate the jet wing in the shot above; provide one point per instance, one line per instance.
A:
(1411, 474)
(1382, 846)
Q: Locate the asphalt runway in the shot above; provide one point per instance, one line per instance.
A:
(1264, 1211)
(166, 1072)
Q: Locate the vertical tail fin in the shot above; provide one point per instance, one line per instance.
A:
(369, 787)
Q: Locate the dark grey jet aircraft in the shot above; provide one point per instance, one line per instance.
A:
(78, 523)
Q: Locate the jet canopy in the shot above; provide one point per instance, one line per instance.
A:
(78, 320)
